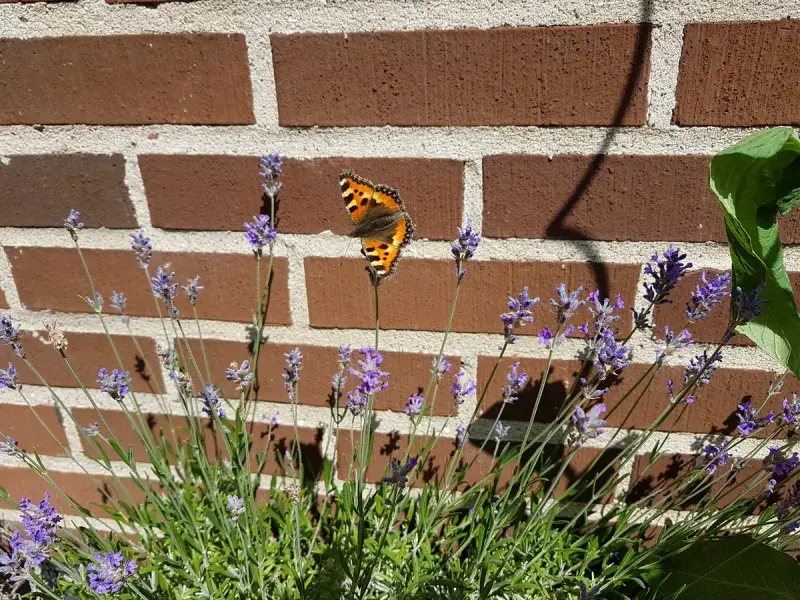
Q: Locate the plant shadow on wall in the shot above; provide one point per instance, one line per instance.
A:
(227, 503)
(558, 228)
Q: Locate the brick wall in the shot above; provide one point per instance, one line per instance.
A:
(575, 135)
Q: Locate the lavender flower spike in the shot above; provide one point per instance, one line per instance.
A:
(439, 366)
(464, 247)
(516, 383)
(235, 507)
(463, 387)
(665, 271)
(399, 476)
(520, 314)
(72, 224)
(118, 300)
(271, 170)
(567, 303)
(211, 401)
(115, 384)
(259, 233)
(11, 335)
(8, 445)
(164, 286)
(140, 244)
(715, 456)
(749, 421)
(240, 375)
(747, 306)
(461, 436)
(588, 424)
(109, 572)
(414, 405)
(8, 378)
(708, 295)
(291, 375)
(192, 288)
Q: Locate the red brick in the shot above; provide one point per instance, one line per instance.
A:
(126, 80)
(388, 446)
(87, 491)
(461, 77)
(711, 328)
(87, 353)
(420, 296)
(39, 190)
(727, 83)
(20, 423)
(3, 301)
(604, 197)
(281, 439)
(409, 374)
(220, 192)
(712, 412)
(53, 278)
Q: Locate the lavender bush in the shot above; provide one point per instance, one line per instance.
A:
(206, 530)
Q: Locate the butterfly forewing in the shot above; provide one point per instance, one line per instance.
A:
(357, 193)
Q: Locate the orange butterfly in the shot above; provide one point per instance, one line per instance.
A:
(382, 223)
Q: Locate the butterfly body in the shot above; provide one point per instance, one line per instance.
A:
(380, 219)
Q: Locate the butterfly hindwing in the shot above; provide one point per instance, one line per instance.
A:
(357, 193)
(382, 255)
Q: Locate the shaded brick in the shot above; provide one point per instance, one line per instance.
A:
(186, 78)
(421, 294)
(220, 192)
(712, 412)
(20, 423)
(52, 278)
(280, 440)
(39, 190)
(726, 83)
(85, 490)
(3, 301)
(409, 374)
(87, 353)
(460, 77)
(711, 328)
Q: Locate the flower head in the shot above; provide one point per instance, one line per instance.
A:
(707, 295)
(271, 170)
(399, 476)
(516, 383)
(567, 303)
(463, 387)
(779, 464)
(192, 288)
(672, 343)
(439, 366)
(603, 312)
(259, 233)
(8, 378)
(609, 355)
(791, 410)
(240, 375)
(291, 375)
(749, 421)
(92, 430)
(11, 335)
(588, 424)
(72, 224)
(464, 247)
(549, 341)
(701, 367)
(461, 436)
(747, 306)
(414, 405)
(140, 244)
(345, 352)
(665, 272)
(211, 401)
(164, 286)
(715, 456)
(31, 548)
(115, 384)
(109, 572)
(520, 314)
(41, 521)
(118, 300)
(235, 507)
(500, 431)
(56, 337)
(8, 445)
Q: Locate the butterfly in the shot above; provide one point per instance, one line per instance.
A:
(380, 220)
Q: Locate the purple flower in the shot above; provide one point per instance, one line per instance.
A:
(461, 436)
(109, 572)
(92, 431)
(602, 312)
(240, 375)
(345, 353)
(665, 272)
(8, 445)
(271, 170)
(464, 247)
(140, 244)
(708, 295)
(10, 334)
(399, 476)
(715, 456)
(439, 367)
(8, 378)
(211, 401)
(40, 520)
(520, 314)
(566, 304)
(291, 375)
(259, 233)
(780, 465)
(501, 431)
(516, 383)
(115, 384)
(791, 410)
(463, 387)
(97, 303)
(592, 394)
(235, 507)
(192, 288)
(72, 224)
(414, 405)
(609, 355)
(371, 378)
(118, 300)
(164, 286)
(41, 523)
(550, 342)
(672, 343)
(749, 421)
(588, 424)
(702, 368)
(747, 306)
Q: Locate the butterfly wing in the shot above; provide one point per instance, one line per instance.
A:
(357, 193)
(382, 255)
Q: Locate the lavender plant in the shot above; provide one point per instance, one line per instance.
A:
(223, 508)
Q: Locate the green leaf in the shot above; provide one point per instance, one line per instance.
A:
(734, 568)
(754, 180)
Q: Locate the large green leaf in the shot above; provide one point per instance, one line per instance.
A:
(756, 179)
(733, 568)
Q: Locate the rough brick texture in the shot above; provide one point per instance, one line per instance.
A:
(42, 434)
(724, 82)
(51, 278)
(220, 192)
(461, 77)
(421, 294)
(409, 374)
(126, 80)
(39, 191)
